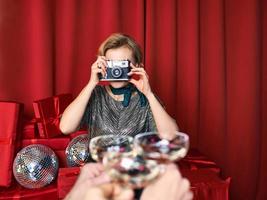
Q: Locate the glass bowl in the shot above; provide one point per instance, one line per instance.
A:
(99, 145)
(130, 170)
(163, 147)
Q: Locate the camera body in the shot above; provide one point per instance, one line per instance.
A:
(117, 70)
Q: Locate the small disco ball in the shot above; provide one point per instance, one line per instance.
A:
(77, 152)
(35, 166)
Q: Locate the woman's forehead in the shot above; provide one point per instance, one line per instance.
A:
(121, 53)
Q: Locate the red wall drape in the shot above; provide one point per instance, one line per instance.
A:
(207, 61)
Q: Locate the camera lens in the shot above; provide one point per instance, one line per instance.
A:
(116, 72)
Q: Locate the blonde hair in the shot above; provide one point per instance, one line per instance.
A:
(117, 40)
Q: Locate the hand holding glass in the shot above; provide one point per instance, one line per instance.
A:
(137, 164)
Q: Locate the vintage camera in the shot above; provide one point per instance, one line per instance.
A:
(117, 70)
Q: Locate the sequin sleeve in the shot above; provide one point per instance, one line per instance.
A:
(151, 124)
(87, 116)
(150, 119)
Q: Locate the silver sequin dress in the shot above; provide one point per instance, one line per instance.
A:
(104, 115)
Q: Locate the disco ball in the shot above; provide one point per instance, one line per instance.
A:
(77, 152)
(35, 166)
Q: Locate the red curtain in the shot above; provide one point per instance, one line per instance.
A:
(207, 61)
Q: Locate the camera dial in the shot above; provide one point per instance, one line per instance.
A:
(116, 72)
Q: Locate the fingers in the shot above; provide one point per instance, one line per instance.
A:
(138, 70)
(171, 185)
(140, 79)
(101, 179)
(100, 62)
(171, 166)
(109, 191)
(90, 166)
(125, 194)
(183, 188)
(92, 170)
(183, 191)
(99, 66)
(133, 81)
(91, 176)
(141, 73)
(122, 193)
(141, 65)
(89, 171)
(188, 196)
(95, 193)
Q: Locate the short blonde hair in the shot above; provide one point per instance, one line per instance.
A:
(117, 40)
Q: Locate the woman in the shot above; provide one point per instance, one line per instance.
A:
(121, 107)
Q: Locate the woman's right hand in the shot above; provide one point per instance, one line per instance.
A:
(171, 185)
(98, 67)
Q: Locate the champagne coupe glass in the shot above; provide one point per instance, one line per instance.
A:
(164, 147)
(121, 162)
(100, 145)
(130, 170)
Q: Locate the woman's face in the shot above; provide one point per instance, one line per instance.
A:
(121, 53)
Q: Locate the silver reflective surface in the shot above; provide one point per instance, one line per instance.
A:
(77, 152)
(35, 166)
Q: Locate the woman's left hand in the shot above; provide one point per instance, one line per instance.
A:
(142, 84)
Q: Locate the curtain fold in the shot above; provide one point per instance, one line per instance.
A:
(242, 94)
(206, 60)
(187, 68)
(262, 173)
(212, 84)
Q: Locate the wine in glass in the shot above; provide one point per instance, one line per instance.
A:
(130, 170)
(100, 145)
(163, 147)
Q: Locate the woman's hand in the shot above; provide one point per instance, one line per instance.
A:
(91, 175)
(109, 191)
(99, 66)
(171, 185)
(89, 172)
(94, 183)
(142, 84)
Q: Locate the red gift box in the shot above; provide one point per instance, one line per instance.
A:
(77, 133)
(17, 192)
(66, 179)
(58, 145)
(53, 143)
(29, 129)
(206, 184)
(9, 127)
(48, 112)
(61, 154)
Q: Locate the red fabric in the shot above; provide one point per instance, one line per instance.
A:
(206, 60)
(48, 112)
(61, 155)
(53, 143)
(9, 121)
(41, 130)
(66, 179)
(17, 192)
(262, 193)
(29, 129)
(206, 184)
(194, 160)
(77, 133)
